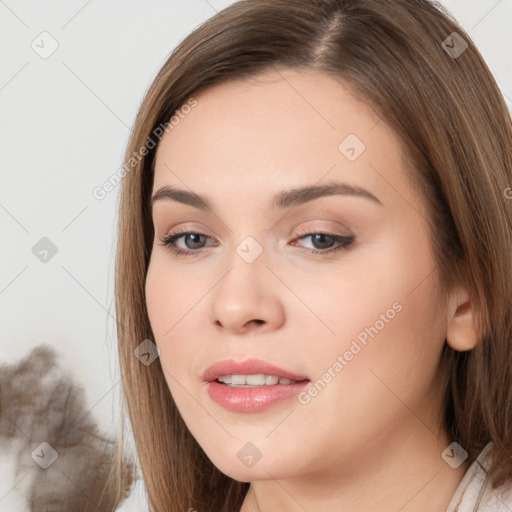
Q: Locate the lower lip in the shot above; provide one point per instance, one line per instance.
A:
(252, 399)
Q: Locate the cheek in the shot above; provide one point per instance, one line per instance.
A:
(160, 304)
(390, 339)
(389, 334)
(169, 307)
(362, 293)
(381, 305)
(155, 299)
(172, 296)
(177, 305)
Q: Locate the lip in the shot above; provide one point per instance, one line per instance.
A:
(255, 398)
(248, 367)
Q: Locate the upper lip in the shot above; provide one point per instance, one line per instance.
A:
(248, 367)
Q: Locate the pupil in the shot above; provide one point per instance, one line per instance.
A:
(319, 237)
(195, 236)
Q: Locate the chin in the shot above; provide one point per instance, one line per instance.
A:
(239, 466)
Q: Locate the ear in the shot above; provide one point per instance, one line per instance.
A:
(462, 332)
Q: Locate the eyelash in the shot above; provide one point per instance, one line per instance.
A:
(171, 238)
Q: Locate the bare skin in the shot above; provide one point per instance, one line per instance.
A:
(371, 439)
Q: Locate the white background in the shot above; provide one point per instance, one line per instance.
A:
(64, 125)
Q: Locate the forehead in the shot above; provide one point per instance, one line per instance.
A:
(280, 129)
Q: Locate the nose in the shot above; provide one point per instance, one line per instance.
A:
(247, 298)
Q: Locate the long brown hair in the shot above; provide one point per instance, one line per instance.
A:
(456, 131)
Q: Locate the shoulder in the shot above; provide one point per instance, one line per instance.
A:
(475, 493)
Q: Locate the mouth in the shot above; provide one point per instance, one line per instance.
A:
(251, 381)
(252, 372)
(252, 385)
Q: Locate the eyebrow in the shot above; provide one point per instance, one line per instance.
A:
(284, 199)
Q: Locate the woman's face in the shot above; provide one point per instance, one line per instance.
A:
(357, 323)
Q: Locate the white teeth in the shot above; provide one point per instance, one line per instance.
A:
(238, 379)
(253, 380)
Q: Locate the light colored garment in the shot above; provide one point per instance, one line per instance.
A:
(474, 493)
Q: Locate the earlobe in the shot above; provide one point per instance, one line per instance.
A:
(462, 331)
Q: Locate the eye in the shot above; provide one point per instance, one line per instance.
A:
(325, 242)
(194, 237)
(194, 241)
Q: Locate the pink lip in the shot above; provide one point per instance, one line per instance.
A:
(249, 367)
(253, 399)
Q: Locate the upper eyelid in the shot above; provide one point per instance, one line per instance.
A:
(320, 214)
(312, 230)
(302, 232)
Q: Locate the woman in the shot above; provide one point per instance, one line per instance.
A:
(315, 239)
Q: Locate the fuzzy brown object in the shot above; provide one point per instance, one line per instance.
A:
(40, 403)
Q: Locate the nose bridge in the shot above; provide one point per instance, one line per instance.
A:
(249, 250)
(243, 283)
(244, 294)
